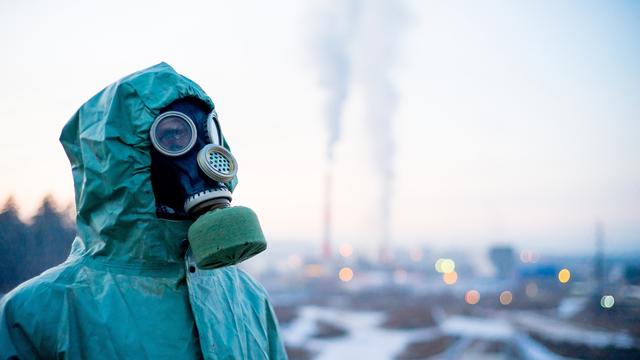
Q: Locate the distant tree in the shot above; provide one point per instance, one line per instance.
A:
(26, 250)
(50, 237)
(13, 235)
(68, 214)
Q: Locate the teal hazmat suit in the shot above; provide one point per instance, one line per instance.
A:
(128, 290)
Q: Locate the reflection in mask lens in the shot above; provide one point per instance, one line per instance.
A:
(173, 134)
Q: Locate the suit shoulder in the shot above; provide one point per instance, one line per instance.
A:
(39, 289)
(250, 282)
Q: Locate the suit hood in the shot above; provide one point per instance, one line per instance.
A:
(107, 143)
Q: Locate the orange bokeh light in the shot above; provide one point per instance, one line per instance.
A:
(564, 275)
(472, 297)
(531, 290)
(345, 274)
(313, 270)
(506, 297)
(450, 278)
(345, 250)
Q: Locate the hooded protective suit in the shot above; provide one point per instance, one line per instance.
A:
(127, 289)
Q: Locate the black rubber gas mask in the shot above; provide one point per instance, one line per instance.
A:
(190, 170)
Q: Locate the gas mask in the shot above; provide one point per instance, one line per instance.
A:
(191, 172)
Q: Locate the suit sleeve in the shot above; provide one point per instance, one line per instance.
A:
(14, 341)
(276, 343)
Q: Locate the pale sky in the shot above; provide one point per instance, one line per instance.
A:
(516, 121)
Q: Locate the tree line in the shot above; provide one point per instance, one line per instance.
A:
(28, 248)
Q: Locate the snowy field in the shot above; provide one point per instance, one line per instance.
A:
(366, 339)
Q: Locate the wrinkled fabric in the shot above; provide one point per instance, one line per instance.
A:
(127, 290)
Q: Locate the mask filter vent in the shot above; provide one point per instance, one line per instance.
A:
(217, 163)
(220, 163)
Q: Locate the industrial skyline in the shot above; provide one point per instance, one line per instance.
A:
(514, 121)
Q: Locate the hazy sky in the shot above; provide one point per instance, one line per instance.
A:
(515, 121)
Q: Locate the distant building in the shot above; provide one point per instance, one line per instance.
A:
(504, 260)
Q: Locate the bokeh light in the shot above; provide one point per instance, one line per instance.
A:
(472, 297)
(448, 266)
(400, 276)
(415, 254)
(438, 265)
(450, 278)
(506, 297)
(445, 265)
(528, 256)
(607, 301)
(294, 261)
(313, 270)
(564, 275)
(345, 250)
(531, 290)
(345, 274)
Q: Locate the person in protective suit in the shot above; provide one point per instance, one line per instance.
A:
(151, 273)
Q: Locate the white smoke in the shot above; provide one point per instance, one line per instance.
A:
(381, 23)
(331, 45)
(357, 43)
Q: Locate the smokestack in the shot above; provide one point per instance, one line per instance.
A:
(356, 41)
(331, 41)
(381, 23)
(384, 254)
(598, 266)
(326, 242)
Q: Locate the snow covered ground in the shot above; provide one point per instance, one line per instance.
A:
(367, 340)
(478, 328)
(562, 331)
(500, 330)
(571, 306)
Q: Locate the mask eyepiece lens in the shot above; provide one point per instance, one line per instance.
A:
(173, 133)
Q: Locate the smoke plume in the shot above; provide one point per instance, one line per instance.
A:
(331, 46)
(357, 44)
(381, 23)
